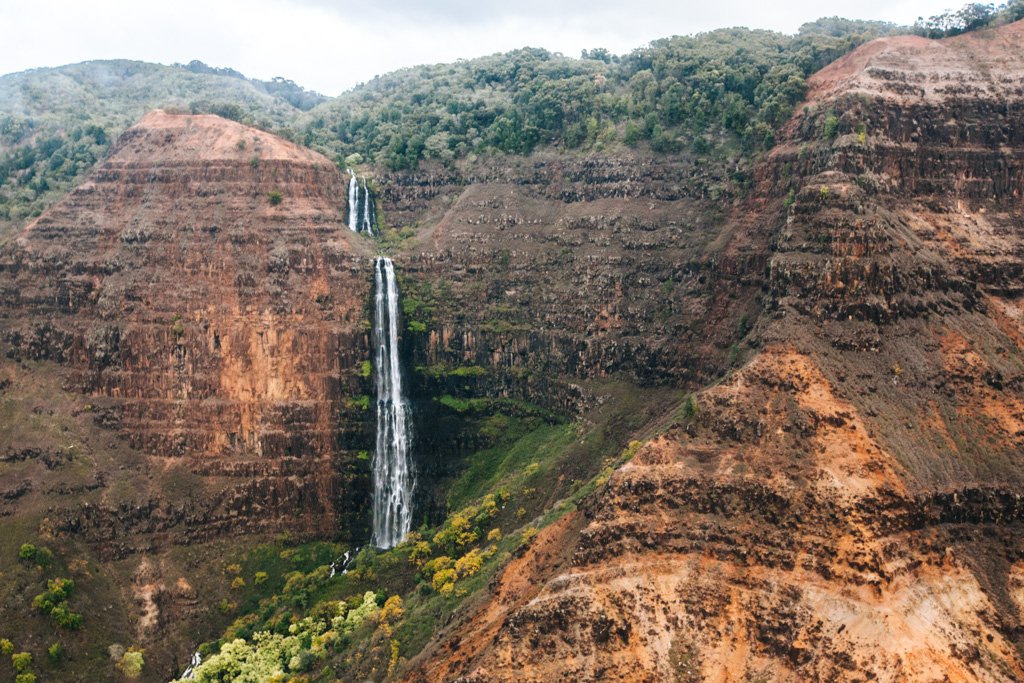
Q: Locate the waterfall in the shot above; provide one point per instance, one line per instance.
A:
(367, 209)
(362, 220)
(392, 465)
(190, 672)
(353, 201)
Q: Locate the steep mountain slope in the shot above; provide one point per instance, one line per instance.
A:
(199, 300)
(186, 375)
(846, 506)
(57, 123)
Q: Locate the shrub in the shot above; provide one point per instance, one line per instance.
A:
(6, 646)
(689, 407)
(392, 610)
(233, 568)
(260, 577)
(237, 583)
(420, 552)
(131, 663)
(43, 557)
(27, 551)
(65, 618)
(21, 661)
(789, 200)
(831, 128)
(444, 581)
(27, 677)
(55, 652)
(469, 564)
(274, 197)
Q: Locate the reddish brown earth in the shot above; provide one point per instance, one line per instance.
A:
(214, 331)
(843, 505)
(847, 506)
(183, 359)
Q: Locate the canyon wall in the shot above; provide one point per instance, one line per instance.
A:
(208, 301)
(847, 505)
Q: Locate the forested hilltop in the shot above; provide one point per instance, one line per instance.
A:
(724, 92)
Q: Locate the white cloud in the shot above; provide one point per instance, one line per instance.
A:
(331, 46)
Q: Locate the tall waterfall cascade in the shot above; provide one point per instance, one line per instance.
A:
(393, 479)
(361, 215)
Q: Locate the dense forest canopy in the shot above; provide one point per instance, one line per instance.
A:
(720, 93)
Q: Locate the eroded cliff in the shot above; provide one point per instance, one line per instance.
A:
(847, 505)
(191, 320)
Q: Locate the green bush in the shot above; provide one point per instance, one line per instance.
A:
(21, 661)
(275, 197)
(6, 647)
(55, 652)
(131, 663)
(53, 601)
(27, 551)
(831, 127)
(43, 557)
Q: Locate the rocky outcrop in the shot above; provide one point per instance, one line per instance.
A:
(847, 505)
(206, 299)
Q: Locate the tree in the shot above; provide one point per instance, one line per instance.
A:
(21, 661)
(131, 663)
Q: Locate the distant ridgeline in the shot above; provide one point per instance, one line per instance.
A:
(723, 94)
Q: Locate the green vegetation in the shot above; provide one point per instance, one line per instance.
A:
(21, 661)
(131, 663)
(970, 17)
(55, 652)
(722, 87)
(367, 622)
(274, 197)
(831, 127)
(713, 93)
(55, 124)
(54, 601)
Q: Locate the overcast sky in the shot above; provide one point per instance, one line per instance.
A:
(330, 46)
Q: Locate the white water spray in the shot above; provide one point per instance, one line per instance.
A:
(367, 222)
(190, 672)
(392, 466)
(353, 200)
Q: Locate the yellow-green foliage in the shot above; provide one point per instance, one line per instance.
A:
(21, 661)
(260, 577)
(6, 647)
(470, 563)
(54, 602)
(421, 551)
(237, 582)
(392, 610)
(444, 581)
(437, 564)
(457, 533)
(268, 656)
(131, 663)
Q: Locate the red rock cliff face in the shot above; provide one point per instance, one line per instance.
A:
(214, 328)
(847, 506)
